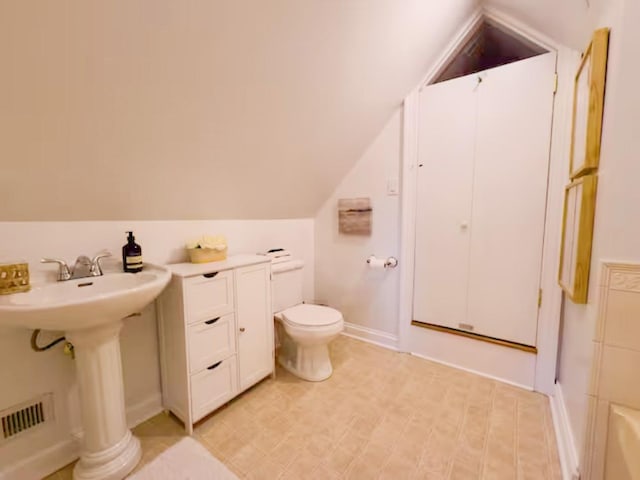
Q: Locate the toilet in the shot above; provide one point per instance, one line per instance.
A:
(304, 331)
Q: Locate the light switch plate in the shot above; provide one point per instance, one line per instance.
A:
(393, 187)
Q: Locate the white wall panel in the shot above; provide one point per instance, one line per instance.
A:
(367, 298)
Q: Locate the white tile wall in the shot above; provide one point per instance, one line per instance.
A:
(619, 375)
(623, 319)
(615, 371)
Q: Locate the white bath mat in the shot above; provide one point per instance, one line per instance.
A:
(186, 460)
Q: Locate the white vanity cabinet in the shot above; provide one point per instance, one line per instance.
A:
(215, 332)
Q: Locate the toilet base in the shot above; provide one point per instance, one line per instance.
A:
(312, 363)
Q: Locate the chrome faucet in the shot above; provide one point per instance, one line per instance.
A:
(84, 267)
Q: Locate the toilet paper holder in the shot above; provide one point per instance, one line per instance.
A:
(390, 262)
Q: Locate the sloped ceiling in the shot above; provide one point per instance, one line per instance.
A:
(568, 22)
(164, 109)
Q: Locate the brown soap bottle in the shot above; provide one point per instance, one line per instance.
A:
(131, 255)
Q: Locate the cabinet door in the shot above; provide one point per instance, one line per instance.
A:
(255, 323)
(444, 190)
(509, 198)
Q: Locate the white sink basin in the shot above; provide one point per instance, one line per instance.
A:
(91, 311)
(85, 302)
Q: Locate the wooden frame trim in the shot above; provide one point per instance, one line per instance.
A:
(596, 52)
(476, 336)
(579, 291)
(454, 47)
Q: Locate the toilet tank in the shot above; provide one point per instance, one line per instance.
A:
(286, 284)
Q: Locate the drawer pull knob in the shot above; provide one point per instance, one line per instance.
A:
(212, 321)
(209, 275)
(214, 365)
(242, 329)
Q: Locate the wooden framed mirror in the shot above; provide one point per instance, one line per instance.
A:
(577, 235)
(588, 106)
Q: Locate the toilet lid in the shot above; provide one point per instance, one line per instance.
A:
(311, 315)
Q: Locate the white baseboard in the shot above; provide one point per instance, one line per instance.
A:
(144, 410)
(566, 443)
(508, 365)
(47, 461)
(371, 335)
(475, 372)
(44, 462)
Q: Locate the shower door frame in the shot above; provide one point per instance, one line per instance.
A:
(542, 373)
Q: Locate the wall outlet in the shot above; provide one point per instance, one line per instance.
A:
(393, 187)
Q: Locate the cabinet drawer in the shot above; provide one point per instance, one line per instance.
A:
(212, 387)
(211, 340)
(207, 296)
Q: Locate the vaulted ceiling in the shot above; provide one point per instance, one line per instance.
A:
(157, 109)
(567, 22)
(163, 109)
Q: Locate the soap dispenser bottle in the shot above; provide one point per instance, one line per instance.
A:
(131, 255)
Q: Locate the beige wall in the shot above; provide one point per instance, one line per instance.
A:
(156, 109)
(367, 298)
(617, 230)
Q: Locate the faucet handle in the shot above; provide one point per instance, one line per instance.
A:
(96, 268)
(63, 272)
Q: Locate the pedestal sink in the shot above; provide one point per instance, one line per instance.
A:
(91, 311)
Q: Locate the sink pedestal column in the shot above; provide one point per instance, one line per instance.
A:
(109, 450)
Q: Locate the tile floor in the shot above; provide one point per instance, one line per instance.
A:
(381, 415)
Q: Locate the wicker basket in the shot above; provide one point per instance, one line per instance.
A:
(14, 278)
(206, 255)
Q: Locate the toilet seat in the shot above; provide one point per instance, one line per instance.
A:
(306, 315)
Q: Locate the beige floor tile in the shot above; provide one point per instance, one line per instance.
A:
(534, 470)
(373, 456)
(66, 473)
(324, 472)
(364, 467)
(410, 450)
(398, 466)
(266, 441)
(216, 432)
(284, 453)
(265, 469)
(246, 458)
(381, 415)
(499, 472)
(462, 471)
(468, 458)
(429, 475)
(211, 448)
(301, 466)
(340, 460)
(320, 443)
(226, 449)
